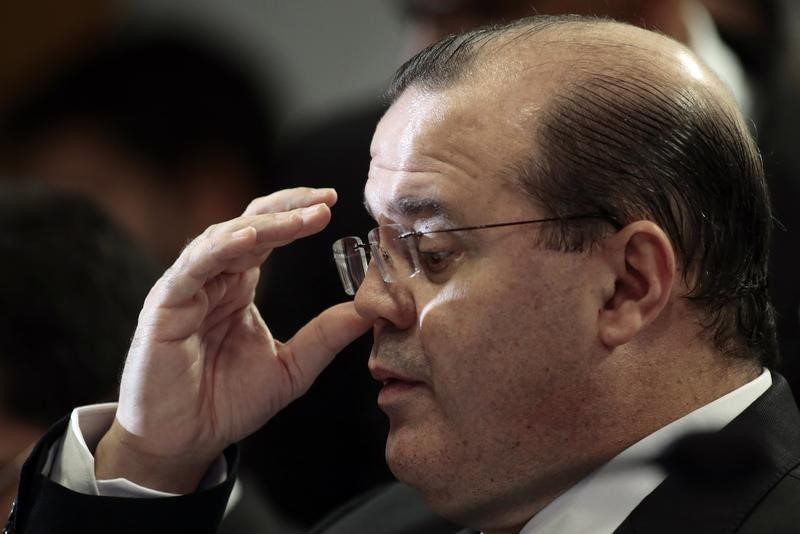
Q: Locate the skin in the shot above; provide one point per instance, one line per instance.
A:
(510, 372)
(203, 370)
(485, 402)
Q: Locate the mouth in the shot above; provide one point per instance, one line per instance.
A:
(397, 390)
(398, 385)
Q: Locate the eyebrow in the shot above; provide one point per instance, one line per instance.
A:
(413, 206)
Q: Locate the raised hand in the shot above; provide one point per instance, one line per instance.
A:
(203, 370)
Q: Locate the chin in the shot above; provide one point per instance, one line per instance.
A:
(418, 458)
(454, 501)
(421, 461)
(451, 481)
(463, 502)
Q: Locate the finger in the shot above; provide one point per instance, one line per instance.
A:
(235, 246)
(289, 199)
(313, 347)
(315, 218)
(222, 301)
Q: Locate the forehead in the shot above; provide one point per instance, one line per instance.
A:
(446, 153)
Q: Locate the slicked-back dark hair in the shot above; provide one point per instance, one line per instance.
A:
(620, 139)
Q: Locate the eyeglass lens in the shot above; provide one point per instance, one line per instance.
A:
(351, 262)
(393, 256)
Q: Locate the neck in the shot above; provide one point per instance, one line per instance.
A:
(669, 400)
(656, 384)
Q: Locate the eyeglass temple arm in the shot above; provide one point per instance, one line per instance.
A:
(608, 218)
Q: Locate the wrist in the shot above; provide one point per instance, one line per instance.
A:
(120, 454)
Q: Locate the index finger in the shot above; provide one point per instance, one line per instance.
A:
(290, 199)
(227, 245)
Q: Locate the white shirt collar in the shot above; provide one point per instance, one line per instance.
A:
(600, 503)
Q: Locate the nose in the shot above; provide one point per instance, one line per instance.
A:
(393, 302)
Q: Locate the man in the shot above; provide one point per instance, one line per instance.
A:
(340, 148)
(569, 275)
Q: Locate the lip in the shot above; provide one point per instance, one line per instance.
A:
(383, 374)
(394, 392)
(396, 387)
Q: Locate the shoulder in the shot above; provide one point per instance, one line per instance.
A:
(779, 510)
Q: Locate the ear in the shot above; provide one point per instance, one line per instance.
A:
(642, 260)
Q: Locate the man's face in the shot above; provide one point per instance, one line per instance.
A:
(490, 357)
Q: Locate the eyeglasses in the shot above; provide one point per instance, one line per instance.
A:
(400, 252)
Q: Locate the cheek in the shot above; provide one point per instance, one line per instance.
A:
(472, 335)
(499, 348)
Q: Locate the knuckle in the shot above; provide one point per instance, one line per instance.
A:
(253, 205)
(322, 336)
(211, 231)
(208, 241)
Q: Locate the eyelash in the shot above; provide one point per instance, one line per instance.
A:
(436, 256)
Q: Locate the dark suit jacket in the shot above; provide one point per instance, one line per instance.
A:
(721, 492)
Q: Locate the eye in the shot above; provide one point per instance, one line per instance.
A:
(438, 252)
(436, 261)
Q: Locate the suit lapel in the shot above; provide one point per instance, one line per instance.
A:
(711, 504)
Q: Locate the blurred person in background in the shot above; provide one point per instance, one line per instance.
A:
(71, 285)
(162, 130)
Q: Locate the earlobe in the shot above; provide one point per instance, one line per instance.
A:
(642, 259)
